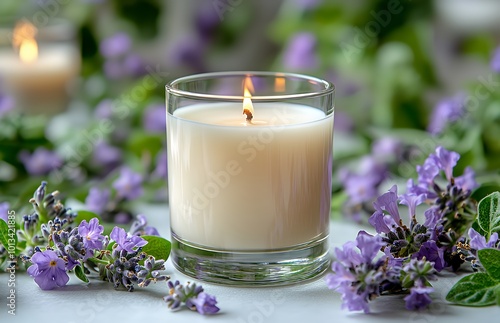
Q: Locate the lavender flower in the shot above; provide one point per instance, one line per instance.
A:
(495, 60)
(105, 155)
(40, 162)
(104, 109)
(418, 298)
(97, 200)
(92, 235)
(360, 277)
(430, 251)
(445, 160)
(139, 227)
(161, 169)
(192, 296)
(134, 65)
(7, 104)
(126, 242)
(128, 185)
(4, 209)
(478, 242)
(300, 53)
(204, 303)
(412, 200)
(468, 180)
(48, 270)
(446, 111)
(116, 45)
(155, 119)
(387, 146)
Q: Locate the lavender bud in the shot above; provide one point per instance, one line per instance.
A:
(40, 193)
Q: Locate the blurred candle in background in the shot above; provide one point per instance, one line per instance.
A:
(39, 66)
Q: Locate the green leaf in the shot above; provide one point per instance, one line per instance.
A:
(4, 234)
(489, 214)
(474, 290)
(80, 274)
(490, 259)
(86, 215)
(157, 247)
(475, 226)
(497, 291)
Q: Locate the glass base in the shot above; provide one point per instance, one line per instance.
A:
(251, 268)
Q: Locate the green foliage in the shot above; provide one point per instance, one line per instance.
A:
(157, 247)
(489, 214)
(479, 289)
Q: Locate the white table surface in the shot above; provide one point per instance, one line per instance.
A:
(309, 302)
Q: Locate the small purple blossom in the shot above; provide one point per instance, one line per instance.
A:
(412, 200)
(48, 270)
(40, 162)
(432, 253)
(467, 181)
(155, 119)
(418, 298)
(140, 227)
(7, 104)
(161, 169)
(478, 242)
(126, 242)
(4, 209)
(204, 303)
(104, 109)
(387, 203)
(116, 45)
(495, 60)
(300, 53)
(445, 160)
(129, 184)
(134, 65)
(91, 233)
(97, 200)
(106, 155)
(446, 111)
(432, 217)
(387, 146)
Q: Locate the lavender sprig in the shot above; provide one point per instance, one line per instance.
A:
(413, 253)
(192, 296)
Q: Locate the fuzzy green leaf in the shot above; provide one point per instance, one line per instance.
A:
(157, 247)
(4, 234)
(80, 274)
(490, 259)
(475, 226)
(474, 290)
(489, 214)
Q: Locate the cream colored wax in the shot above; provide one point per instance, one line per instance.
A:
(262, 185)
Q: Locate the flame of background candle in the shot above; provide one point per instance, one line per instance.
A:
(23, 39)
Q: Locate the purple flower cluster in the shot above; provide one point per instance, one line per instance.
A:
(120, 61)
(41, 162)
(362, 186)
(447, 111)
(412, 254)
(300, 53)
(192, 296)
(128, 185)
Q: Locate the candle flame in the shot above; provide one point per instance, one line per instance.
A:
(23, 39)
(247, 98)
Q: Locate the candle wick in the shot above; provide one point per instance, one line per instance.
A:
(249, 114)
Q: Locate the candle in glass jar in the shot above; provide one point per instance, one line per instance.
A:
(258, 184)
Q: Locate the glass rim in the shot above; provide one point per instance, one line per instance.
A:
(329, 87)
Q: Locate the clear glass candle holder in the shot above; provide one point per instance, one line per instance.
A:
(249, 176)
(39, 63)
